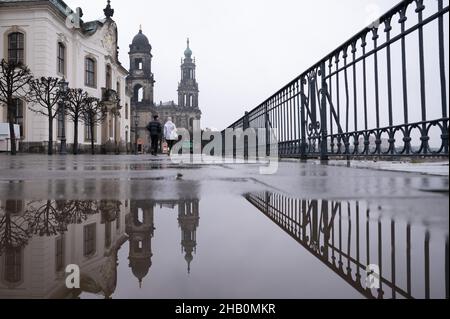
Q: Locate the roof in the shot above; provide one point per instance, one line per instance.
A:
(88, 28)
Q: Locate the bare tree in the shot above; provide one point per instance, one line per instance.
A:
(94, 113)
(14, 78)
(74, 108)
(46, 95)
(14, 233)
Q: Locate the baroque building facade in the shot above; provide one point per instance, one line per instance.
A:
(54, 41)
(140, 82)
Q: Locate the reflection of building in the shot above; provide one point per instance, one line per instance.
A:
(140, 84)
(188, 219)
(139, 228)
(85, 53)
(54, 234)
(39, 239)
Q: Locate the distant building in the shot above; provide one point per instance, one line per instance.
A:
(141, 82)
(54, 41)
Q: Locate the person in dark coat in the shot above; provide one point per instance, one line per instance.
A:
(155, 130)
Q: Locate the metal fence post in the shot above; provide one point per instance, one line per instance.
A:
(302, 120)
(267, 127)
(323, 115)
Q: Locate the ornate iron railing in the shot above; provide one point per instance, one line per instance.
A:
(347, 237)
(381, 93)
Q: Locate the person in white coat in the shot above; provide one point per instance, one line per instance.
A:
(170, 133)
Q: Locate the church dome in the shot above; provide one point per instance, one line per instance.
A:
(140, 267)
(140, 42)
(188, 51)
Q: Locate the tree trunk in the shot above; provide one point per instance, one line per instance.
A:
(92, 138)
(75, 136)
(50, 135)
(12, 133)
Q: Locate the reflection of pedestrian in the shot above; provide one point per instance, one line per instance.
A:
(155, 129)
(170, 134)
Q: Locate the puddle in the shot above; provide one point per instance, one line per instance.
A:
(261, 245)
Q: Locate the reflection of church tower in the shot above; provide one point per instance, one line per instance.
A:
(188, 219)
(139, 227)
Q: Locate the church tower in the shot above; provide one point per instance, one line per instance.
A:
(188, 87)
(188, 219)
(140, 228)
(141, 81)
(140, 85)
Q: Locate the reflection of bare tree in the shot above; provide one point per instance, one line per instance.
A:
(47, 218)
(13, 231)
(76, 212)
(43, 219)
(53, 217)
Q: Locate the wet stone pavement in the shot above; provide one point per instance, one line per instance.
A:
(144, 227)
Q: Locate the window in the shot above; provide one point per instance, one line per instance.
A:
(16, 47)
(126, 111)
(138, 93)
(61, 58)
(107, 234)
(118, 89)
(14, 207)
(13, 265)
(89, 240)
(59, 254)
(108, 77)
(138, 64)
(90, 77)
(18, 115)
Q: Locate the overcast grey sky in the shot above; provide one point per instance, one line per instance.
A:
(245, 49)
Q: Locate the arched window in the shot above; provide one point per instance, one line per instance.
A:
(13, 265)
(89, 238)
(16, 47)
(191, 100)
(185, 100)
(61, 58)
(108, 77)
(138, 93)
(90, 72)
(138, 64)
(18, 115)
(108, 234)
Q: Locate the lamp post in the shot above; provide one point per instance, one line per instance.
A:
(63, 87)
(136, 123)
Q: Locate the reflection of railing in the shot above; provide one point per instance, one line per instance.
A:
(342, 236)
(358, 101)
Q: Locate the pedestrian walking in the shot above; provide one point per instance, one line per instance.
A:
(155, 130)
(170, 134)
